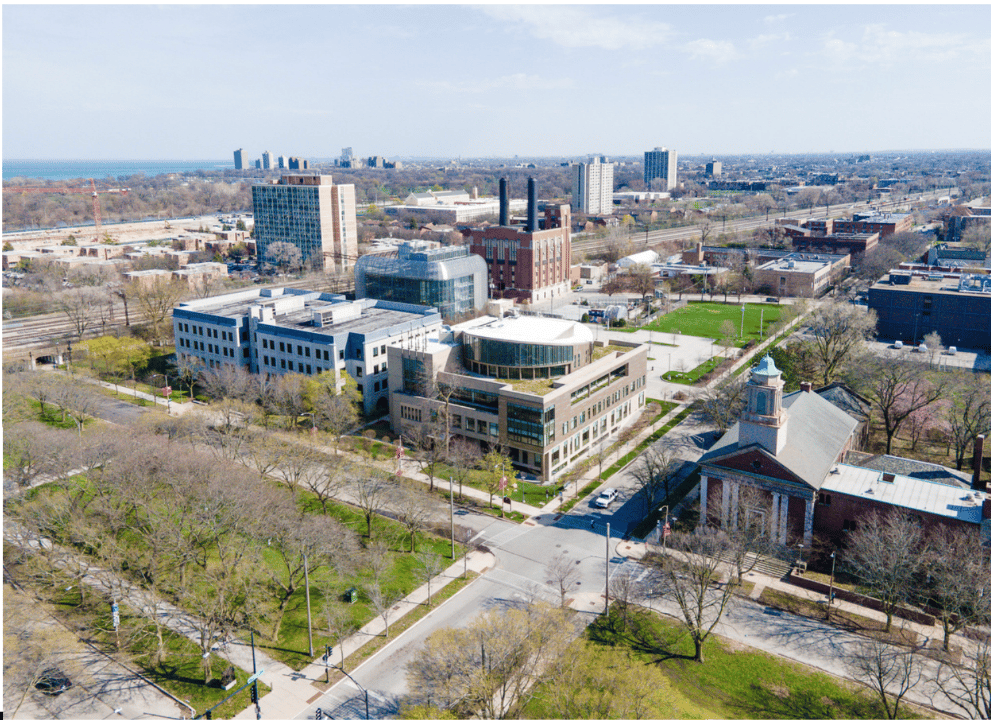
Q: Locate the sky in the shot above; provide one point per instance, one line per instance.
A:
(177, 82)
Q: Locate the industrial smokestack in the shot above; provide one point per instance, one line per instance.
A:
(532, 223)
(503, 202)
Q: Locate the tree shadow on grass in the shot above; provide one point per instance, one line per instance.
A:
(768, 701)
(637, 631)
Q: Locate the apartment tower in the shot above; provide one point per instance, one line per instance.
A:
(660, 163)
(592, 187)
(313, 214)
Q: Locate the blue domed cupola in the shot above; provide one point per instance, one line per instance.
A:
(764, 420)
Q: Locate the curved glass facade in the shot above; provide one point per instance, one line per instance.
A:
(512, 354)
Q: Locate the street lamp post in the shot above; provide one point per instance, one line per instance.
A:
(743, 309)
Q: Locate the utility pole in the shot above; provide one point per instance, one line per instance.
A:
(607, 543)
(307, 596)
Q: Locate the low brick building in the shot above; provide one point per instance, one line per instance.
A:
(801, 274)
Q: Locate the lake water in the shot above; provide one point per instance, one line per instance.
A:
(102, 169)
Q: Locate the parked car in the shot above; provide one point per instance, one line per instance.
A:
(921, 348)
(951, 350)
(53, 682)
(606, 498)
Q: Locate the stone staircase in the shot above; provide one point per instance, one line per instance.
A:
(766, 564)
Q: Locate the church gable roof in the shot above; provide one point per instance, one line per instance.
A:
(817, 433)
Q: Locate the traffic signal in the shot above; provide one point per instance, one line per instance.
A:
(253, 694)
(318, 714)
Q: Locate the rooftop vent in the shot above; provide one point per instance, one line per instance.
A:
(888, 477)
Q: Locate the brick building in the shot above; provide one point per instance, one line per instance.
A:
(801, 274)
(871, 222)
(958, 306)
(528, 263)
(797, 449)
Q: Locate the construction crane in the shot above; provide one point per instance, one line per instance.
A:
(94, 192)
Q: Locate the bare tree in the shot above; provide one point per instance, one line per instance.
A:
(688, 574)
(969, 413)
(33, 451)
(897, 388)
(371, 491)
(80, 305)
(155, 301)
(76, 400)
(724, 403)
(428, 565)
(382, 600)
(285, 255)
(933, 342)
(464, 456)
(891, 670)
(886, 552)
(485, 669)
(959, 582)
(296, 541)
(330, 479)
(562, 572)
(968, 684)
(413, 508)
(749, 529)
(654, 471)
(839, 328)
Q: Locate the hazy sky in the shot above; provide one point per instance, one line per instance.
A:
(196, 81)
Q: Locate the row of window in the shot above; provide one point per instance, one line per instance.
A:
(211, 332)
(211, 348)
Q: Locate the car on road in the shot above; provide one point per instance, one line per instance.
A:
(53, 682)
(606, 498)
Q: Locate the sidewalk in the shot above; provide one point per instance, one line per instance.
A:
(638, 551)
(292, 691)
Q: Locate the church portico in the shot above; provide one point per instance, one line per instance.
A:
(784, 446)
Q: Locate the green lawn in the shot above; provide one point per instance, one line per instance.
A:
(703, 319)
(734, 682)
(694, 375)
(180, 672)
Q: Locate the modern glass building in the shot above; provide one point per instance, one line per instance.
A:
(450, 278)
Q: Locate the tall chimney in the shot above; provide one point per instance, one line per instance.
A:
(503, 202)
(977, 461)
(806, 387)
(532, 222)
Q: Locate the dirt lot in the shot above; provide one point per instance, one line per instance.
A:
(121, 233)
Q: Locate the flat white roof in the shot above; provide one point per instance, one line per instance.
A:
(530, 329)
(912, 493)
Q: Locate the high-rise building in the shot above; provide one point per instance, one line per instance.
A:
(241, 159)
(660, 163)
(282, 162)
(714, 168)
(268, 160)
(530, 263)
(310, 212)
(592, 187)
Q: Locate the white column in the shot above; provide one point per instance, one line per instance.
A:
(807, 531)
(774, 516)
(725, 517)
(703, 499)
(734, 505)
(783, 522)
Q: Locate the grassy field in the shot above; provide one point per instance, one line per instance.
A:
(704, 319)
(734, 682)
(695, 374)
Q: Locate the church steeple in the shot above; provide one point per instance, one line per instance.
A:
(764, 421)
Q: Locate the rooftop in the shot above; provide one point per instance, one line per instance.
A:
(542, 330)
(906, 492)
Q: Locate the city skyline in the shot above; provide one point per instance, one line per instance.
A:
(493, 81)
